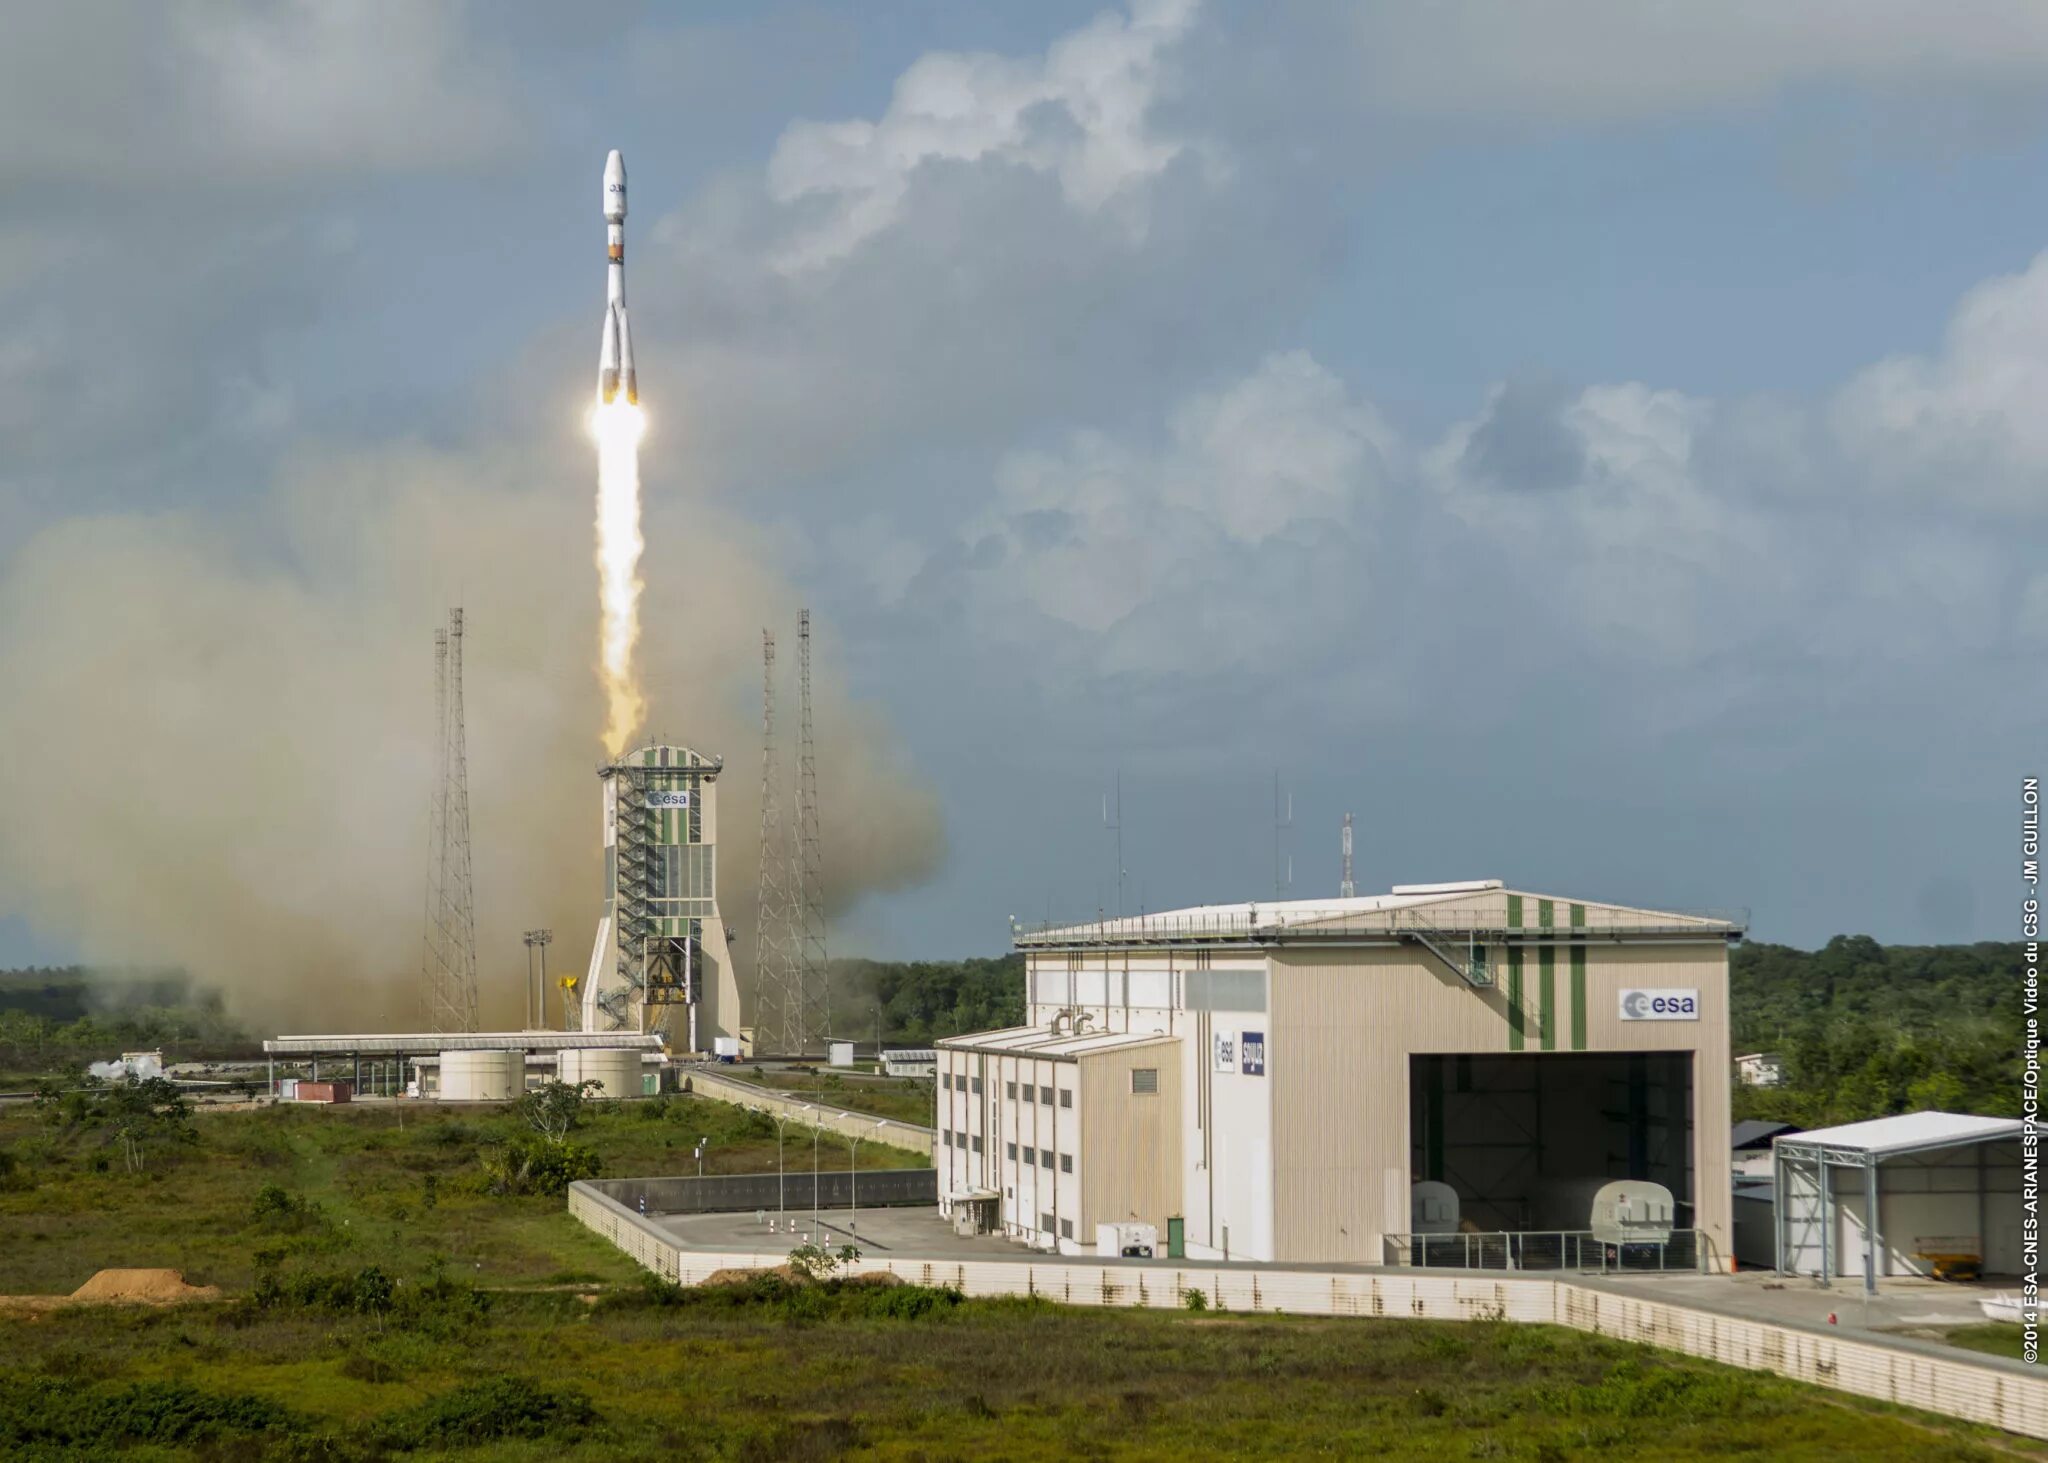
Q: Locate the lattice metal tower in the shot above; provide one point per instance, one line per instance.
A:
(449, 966)
(810, 870)
(778, 989)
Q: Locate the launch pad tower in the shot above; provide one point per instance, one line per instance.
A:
(660, 962)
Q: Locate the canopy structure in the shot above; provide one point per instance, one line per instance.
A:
(1933, 1185)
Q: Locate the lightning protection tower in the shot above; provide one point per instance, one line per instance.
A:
(778, 989)
(449, 965)
(1347, 889)
(810, 868)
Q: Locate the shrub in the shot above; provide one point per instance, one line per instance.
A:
(47, 1411)
(1194, 1300)
(484, 1412)
(368, 1291)
(534, 1165)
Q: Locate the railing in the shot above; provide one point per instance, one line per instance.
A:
(1545, 1249)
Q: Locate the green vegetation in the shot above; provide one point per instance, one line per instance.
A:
(58, 1019)
(413, 1190)
(1869, 1029)
(900, 1099)
(1992, 1339)
(921, 1000)
(768, 1368)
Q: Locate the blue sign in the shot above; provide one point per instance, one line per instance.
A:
(1251, 1049)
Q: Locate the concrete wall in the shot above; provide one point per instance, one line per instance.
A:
(832, 1119)
(878, 1188)
(1988, 1390)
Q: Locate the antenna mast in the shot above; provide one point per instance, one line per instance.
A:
(450, 964)
(778, 1006)
(1283, 875)
(1347, 888)
(815, 976)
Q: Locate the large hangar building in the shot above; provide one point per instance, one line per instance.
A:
(1273, 1081)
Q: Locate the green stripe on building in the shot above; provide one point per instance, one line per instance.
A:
(1546, 979)
(1514, 998)
(1514, 911)
(1578, 981)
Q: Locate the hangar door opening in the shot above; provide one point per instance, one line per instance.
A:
(1526, 1141)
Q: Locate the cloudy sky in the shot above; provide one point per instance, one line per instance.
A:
(1599, 445)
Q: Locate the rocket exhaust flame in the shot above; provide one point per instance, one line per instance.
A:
(618, 426)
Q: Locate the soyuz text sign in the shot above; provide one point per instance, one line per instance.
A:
(1665, 1005)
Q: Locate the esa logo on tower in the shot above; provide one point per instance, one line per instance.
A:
(1637, 1005)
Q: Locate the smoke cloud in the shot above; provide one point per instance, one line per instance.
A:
(220, 727)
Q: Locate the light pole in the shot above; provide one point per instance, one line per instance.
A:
(781, 1203)
(702, 1144)
(816, 1134)
(853, 1143)
(536, 991)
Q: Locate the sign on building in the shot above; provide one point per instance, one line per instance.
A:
(1224, 1044)
(1251, 1048)
(661, 799)
(1664, 1005)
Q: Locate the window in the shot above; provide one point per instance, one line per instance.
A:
(1066, 1097)
(1066, 1229)
(1010, 1091)
(1045, 1223)
(1066, 1163)
(1011, 1150)
(1045, 1158)
(1045, 1096)
(1031, 1155)
(977, 1142)
(975, 1083)
(1145, 1081)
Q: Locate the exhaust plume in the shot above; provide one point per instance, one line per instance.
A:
(618, 426)
(219, 726)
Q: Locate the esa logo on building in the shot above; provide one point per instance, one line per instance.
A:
(1251, 1048)
(1225, 1044)
(1660, 1005)
(668, 800)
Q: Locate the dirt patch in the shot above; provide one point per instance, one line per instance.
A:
(747, 1277)
(120, 1287)
(879, 1279)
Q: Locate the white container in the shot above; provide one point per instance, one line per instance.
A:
(1432, 1208)
(839, 1054)
(1132, 1240)
(616, 1073)
(288, 1088)
(1632, 1212)
(482, 1076)
(726, 1048)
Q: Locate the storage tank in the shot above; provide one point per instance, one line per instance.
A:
(1432, 1208)
(1632, 1212)
(839, 1054)
(616, 1073)
(482, 1076)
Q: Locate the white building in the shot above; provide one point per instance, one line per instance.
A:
(1268, 1081)
(1760, 1069)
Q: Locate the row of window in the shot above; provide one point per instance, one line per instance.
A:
(963, 1140)
(961, 1082)
(1066, 1226)
(1041, 1156)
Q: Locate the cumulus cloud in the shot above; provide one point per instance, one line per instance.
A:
(1604, 60)
(1082, 114)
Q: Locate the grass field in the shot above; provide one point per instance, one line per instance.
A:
(900, 1099)
(1993, 1340)
(396, 1184)
(383, 1304)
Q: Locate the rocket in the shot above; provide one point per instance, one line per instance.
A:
(615, 354)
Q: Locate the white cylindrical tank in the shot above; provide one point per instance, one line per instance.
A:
(482, 1076)
(839, 1054)
(616, 1073)
(1432, 1208)
(1632, 1212)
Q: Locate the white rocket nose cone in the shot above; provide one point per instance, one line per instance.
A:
(614, 187)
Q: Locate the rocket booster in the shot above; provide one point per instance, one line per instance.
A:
(615, 354)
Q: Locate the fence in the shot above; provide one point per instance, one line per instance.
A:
(1988, 1390)
(810, 1112)
(1554, 1249)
